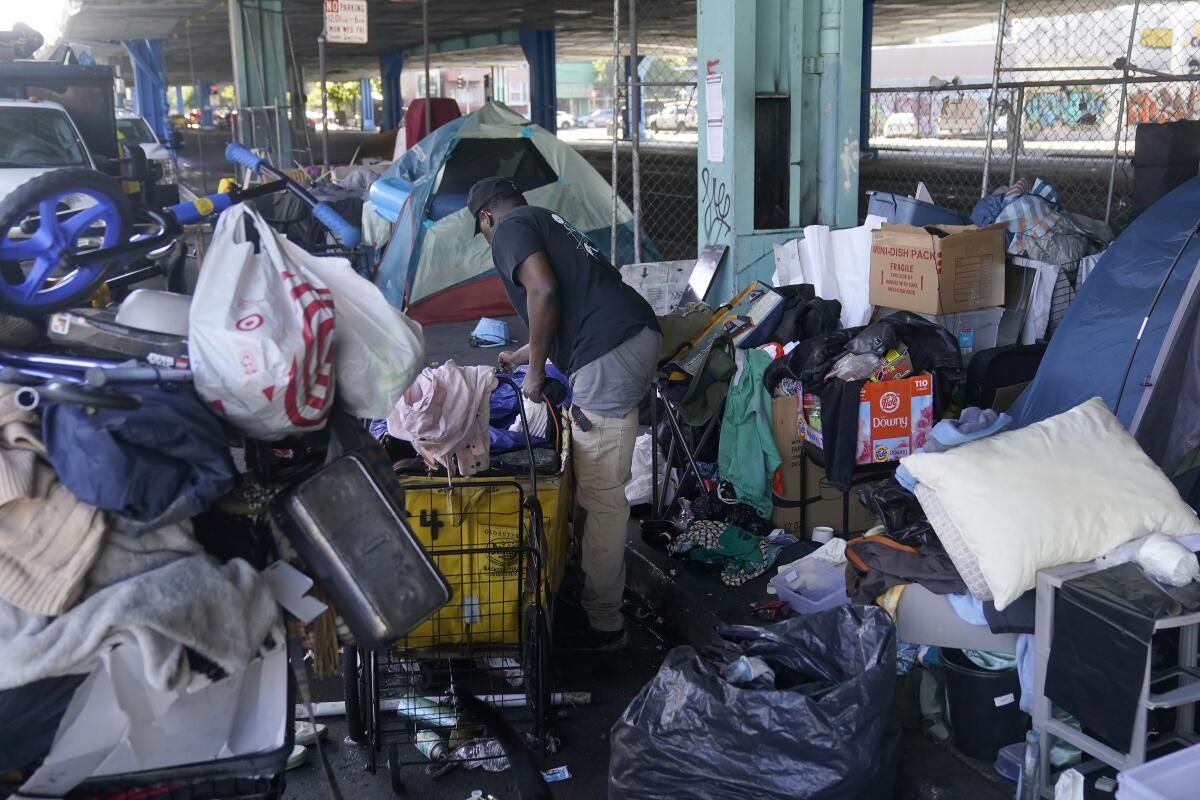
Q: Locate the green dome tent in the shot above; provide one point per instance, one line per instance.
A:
(435, 267)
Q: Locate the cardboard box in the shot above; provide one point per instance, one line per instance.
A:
(894, 417)
(916, 270)
(789, 438)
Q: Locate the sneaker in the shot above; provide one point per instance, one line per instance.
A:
(298, 757)
(306, 733)
(590, 639)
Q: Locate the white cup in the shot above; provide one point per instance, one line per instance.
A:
(822, 534)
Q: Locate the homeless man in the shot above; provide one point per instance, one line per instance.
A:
(602, 334)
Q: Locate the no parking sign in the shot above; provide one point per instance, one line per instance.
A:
(346, 21)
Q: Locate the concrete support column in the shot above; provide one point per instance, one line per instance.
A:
(759, 52)
(368, 105)
(150, 84)
(538, 46)
(179, 109)
(204, 103)
(390, 65)
(260, 79)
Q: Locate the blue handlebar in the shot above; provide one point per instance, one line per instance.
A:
(243, 156)
(346, 233)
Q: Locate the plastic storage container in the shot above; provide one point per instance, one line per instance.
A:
(910, 211)
(811, 585)
(1173, 777)
(984, 708)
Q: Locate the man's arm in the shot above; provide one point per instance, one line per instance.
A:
(541, 292)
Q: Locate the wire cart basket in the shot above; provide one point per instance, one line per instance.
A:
(502, 542)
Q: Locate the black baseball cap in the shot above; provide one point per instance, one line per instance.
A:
(487, 190)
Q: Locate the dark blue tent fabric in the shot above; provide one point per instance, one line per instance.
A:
(1087, 355)
(163, 462)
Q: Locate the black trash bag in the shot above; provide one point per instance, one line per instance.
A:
(895, 506)
(917, 534)
(932, 348)
(824, 730)
(810, 360)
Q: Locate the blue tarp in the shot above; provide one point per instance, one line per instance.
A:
(1087, 356)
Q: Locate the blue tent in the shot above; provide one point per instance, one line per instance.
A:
(1087, 357)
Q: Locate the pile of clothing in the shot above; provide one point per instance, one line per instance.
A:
(465, 420)
(1038, 226)
(98, 552)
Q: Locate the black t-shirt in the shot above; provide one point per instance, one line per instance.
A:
(598, 312)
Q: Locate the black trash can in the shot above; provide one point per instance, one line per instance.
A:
(985, 709)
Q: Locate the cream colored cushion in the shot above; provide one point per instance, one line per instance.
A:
(1067, 489)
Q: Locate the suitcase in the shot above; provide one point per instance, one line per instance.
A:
(348, 524)
(998, 375)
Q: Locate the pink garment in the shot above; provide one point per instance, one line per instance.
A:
(445, 415)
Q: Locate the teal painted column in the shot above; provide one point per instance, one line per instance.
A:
(257, 41)
(809, 55)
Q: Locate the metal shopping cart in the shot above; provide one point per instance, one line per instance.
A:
(502, 542)
(56, 250)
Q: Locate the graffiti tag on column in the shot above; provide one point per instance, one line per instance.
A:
(717, 202)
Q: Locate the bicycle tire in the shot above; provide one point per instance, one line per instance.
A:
(27, 197)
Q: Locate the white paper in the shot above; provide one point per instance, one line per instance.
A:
(922, 193)
(836, 263)
(714, 124)
(713, 97)
(116, 724)
(715, 141)
(660, 283)
(290, 587)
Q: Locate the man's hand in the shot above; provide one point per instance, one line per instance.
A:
(508, 361)
(535, 379)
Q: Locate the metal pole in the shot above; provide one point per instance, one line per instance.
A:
(200, 105)
(616, 93)
(1014, 136)
(324, 103)
(425, 40)
(1112, 167)
(635, 128)
(991, 118)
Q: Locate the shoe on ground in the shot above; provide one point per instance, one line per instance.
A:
(306, 733)
(589, 639)
(298, 757)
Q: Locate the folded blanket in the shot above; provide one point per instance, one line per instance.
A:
(188, 608)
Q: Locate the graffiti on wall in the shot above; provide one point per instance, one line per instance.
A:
(716, 202)
(1071, 107)
(1164, 104)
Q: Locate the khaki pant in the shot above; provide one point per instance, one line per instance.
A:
(603, 457)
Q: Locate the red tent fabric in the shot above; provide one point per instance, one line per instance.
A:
(442, 110)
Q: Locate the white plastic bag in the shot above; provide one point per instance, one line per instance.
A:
(260, 333)
(640, 490)
(378, 349)
(1167, 561)
(1070, 786)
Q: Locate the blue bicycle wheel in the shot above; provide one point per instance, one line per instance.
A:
(43, 224)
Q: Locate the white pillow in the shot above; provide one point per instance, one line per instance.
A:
(1067, 489)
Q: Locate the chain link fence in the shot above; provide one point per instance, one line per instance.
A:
(654, 132)
(1072, 81)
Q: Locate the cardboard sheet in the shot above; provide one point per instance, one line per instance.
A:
(116, 724)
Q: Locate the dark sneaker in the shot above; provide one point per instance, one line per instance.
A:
(590, 639)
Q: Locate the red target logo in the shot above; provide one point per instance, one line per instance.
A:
(250, 322)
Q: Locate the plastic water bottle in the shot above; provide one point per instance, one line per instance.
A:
(1030, 781)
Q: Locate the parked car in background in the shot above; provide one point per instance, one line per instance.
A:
(601, 118)
(36, 137)
(673, 117)
(136, 130)
(566, 120)
(901, 124)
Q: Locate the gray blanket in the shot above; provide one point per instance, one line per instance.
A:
(222, 612)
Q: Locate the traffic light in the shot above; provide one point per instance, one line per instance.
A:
(214, 89)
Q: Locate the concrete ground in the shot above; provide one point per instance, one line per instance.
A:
(928, 771)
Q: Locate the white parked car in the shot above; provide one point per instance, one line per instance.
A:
(136, 130)
(901, 124)
(36, 137)
(566, 120)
